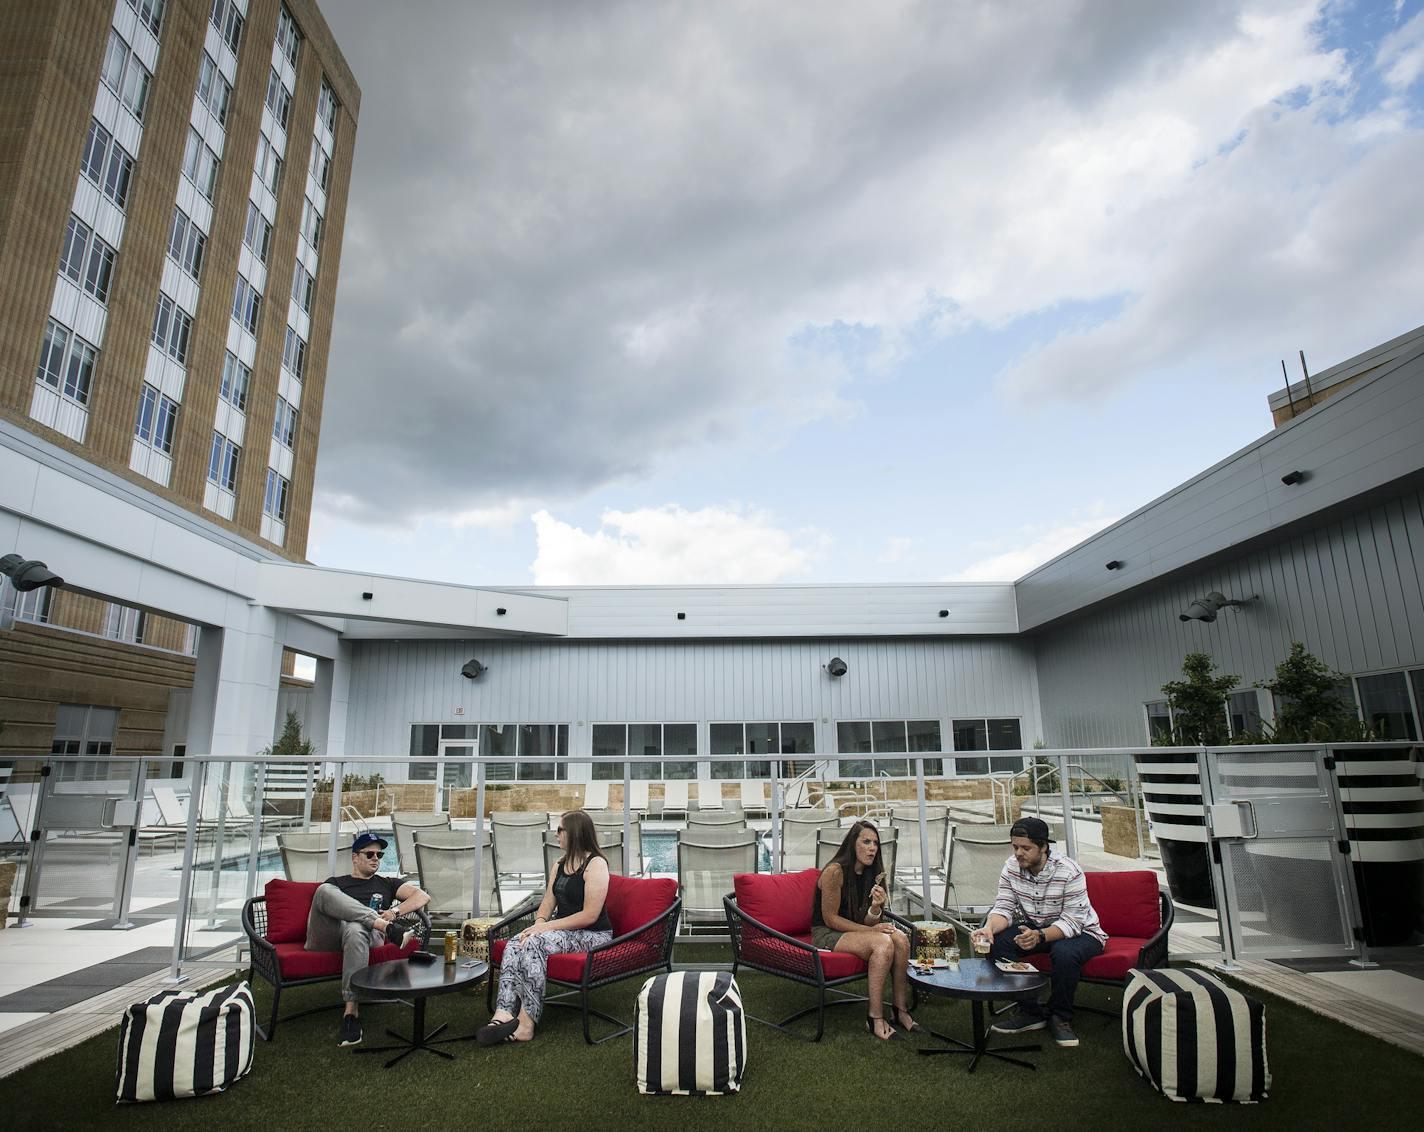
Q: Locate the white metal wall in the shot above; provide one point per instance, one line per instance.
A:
(395, 684)
(1349, 590)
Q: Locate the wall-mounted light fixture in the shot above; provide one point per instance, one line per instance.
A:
(472, 670)
(367, 595)
(28, 574)
(682, 616)
(837, 667)
(1290, 479)
(944, 613)
(1115, 564)
(500, 611)
(1206, 608)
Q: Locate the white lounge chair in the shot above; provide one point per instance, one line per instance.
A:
(754, 798)
(709, 796)
(675, 798)
(638, 798)
(595, 796)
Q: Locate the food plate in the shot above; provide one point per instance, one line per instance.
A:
(936, 963)
(1012, 968)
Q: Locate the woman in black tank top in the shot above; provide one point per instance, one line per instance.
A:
(571, 918)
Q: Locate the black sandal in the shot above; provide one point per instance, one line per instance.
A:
(495, 1032)
(870, 1021)
(903, 1012)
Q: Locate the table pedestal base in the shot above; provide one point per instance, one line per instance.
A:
(980, 1047)
(419, 1039)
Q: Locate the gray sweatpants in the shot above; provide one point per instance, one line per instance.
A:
(338, 922)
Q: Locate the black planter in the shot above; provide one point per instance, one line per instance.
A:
(1188, 867)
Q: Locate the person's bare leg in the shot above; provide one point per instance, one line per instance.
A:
(878, 952)
(900, 976)
(525, 1030)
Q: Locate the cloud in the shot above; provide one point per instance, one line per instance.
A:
(586, 241)
(669, 545)
(1033, 547)
(1400, 58)
(896, 549)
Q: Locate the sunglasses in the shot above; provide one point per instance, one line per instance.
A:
(559, 830)
(372, 854)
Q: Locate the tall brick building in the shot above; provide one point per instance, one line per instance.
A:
(173, 186)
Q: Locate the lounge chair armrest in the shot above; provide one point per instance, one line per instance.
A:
(629, 952)
(1154, 952)
(513, 920)
(729, 903)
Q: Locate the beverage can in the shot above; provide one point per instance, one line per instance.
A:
(375, 902)
(451, 947)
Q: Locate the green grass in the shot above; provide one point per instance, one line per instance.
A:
(1325, 1076)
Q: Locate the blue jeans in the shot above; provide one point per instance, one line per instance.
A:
(1068, 955)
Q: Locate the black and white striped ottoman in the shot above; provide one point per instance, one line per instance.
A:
(1194, 1037)
(180, 1044)
(689, 1034)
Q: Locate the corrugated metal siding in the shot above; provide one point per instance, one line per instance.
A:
(395, 684)
(1361, 440)
(1349, 590)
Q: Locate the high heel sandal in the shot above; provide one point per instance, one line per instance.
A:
(902, 1013)
(870, 1021)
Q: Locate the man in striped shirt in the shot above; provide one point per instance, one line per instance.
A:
(1042, 907)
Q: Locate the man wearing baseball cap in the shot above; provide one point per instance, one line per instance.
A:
(350, 913)
(1042, 906)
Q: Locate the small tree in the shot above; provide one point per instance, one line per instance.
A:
(291, 742)
(1198, 703)
(1309, 707)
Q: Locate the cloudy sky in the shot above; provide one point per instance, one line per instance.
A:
(756, 292)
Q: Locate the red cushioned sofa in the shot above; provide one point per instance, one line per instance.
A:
(276, 927)
(1137, 913)
(769, 918)
(643, 913)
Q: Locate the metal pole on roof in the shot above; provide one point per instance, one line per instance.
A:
(1308, 391)
(185, 878)
(1290, 399)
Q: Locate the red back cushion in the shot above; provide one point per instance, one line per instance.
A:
(781, 901)
(288, 906)
(1127, 903)
(633, 901)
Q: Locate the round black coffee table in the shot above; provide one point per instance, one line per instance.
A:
(979, 981)
(401, 978)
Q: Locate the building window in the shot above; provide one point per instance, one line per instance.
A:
(149, 12)
(186, 243)
(269, 164)
(32, 605)
(279, 98)
(326, 106)
(275, 498)
(81, 730)
(172, 326)
(303, 286)
(213, 90)
(284, 427)
(66, 363)
(988, 735)
(157, 419)
(228, 20)
(87, 259)
(1243, 713)
(294, 354)
(125, 75)
(1159, 722)
(257, 234)
(124, 624)
(107, 164)
(235, 379)
(289, 38)
(887, 737)
(320, 165)
(1384, 703)
(758, 739)
(312, 224)
(222, 463)
(673, 741)
(200, 164)
(246, 305)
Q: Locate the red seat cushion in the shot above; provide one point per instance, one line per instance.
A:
(1127, 904)
(633, 901)
(288, 906)
(1117, 959)
(781, 901)
(297, 962)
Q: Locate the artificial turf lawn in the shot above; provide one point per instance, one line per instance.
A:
(1324, 1076)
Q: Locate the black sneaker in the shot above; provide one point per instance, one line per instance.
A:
(1019, 1022)
(350, 1030)
(1063, 1034)
(397, 932)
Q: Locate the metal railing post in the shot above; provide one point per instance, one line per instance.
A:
(1352, 886)
(479, 828)
(333, 846)
(1065, 791)
(1220, 889)
(924, 841)
(254, 840)
(627, 819)
(185, 879)
(125, 886)
(220, 845)
(776, 798)
(307, 800)
(37, 847)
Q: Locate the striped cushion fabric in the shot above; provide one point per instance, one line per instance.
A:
(1195, 1038)
(181, 1044)
(689, 1035)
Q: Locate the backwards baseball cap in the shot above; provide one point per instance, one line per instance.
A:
(365, 839)
(1035, 829)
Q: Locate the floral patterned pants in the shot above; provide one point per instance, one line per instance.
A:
(523, 972)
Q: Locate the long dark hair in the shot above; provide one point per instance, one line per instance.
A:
(845, 855)
(580, 837)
